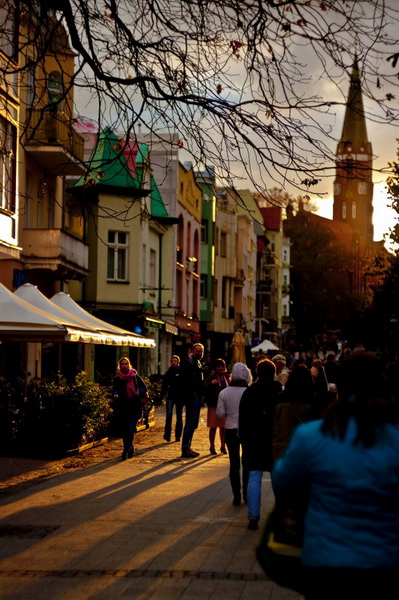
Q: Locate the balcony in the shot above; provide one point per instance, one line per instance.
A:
(54, 249)
(52, 141)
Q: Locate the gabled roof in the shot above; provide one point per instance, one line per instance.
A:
(247, 205)
(272, 217)
(108, 166)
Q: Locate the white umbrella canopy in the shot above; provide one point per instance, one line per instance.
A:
(21, 321)
(264, 346)
(28, 316)
(65, 302)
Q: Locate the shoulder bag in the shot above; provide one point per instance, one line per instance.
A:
(280, 548)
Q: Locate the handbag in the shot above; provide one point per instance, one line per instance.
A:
(279, 550)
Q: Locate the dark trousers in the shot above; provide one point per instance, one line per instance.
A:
(193, 409)
(170, 403)
(129, 429)
(234, 446)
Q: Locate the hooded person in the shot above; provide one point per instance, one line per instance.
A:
(228, 408)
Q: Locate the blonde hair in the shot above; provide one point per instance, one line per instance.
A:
(124, 358)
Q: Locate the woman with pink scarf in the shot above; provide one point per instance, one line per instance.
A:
(128, 389)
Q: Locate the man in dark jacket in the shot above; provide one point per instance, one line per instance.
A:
(192, 377)
(171, 389)
(255, 426)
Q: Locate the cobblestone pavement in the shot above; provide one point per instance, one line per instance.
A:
(155, 527)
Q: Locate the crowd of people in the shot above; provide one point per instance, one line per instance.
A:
(329, 428)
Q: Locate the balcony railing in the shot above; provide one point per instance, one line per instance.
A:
(51, 138)
(53, 248)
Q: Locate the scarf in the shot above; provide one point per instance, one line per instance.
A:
(130, 382)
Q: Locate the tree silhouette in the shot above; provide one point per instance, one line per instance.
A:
(250, 87)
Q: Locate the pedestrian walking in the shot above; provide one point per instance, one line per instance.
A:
(255, 424)
(192, 377)
(171, 389)
(228, 408)
(282, 372)
(293, 407)
(348, 464)
(128, 390)
(217, 380)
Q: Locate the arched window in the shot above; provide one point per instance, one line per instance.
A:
(353, 210)
(344, 210)
(55, 90)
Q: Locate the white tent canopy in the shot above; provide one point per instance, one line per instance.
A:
(65, 302)
(27, 315)
(264, 346)
(21, 321)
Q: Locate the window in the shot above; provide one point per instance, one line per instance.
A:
(353, 210)
(223, 243)
(204, 231)
(344, 210)
(117, 256)
(28, 199)
(55, 90)
(30, 87)
(204, 286)
(362, 188)
(7, 165)
(153, 269)
(8, 28)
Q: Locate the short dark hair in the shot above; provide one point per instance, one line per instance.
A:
(266, 369)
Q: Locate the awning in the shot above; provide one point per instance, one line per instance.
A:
(127, 338)
(169, 328)
(28, 316)
(153, 322)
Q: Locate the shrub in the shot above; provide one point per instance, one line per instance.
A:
(55, 416)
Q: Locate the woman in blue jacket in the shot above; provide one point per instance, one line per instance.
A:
(349, 463)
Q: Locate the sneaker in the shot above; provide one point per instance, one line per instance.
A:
(253, 524)
(194, 453)
(166, 438)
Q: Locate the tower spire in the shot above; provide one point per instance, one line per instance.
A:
(354, 131)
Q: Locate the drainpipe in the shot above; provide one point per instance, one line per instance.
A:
(159, 298)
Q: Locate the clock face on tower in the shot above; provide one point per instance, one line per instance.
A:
(348, 194)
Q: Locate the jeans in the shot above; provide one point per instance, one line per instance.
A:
(254, 491)
(170, 403)
(234, 445)
(129, 429)
(193, 409)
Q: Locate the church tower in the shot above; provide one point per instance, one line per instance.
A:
(353, 186)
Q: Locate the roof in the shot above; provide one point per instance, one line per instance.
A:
(107, 165)
(247, 205)
(354, 129)
(272, 217)
(342, 231)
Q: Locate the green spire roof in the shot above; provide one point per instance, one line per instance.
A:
(157, 205)
(107, 165)
(354, 130)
